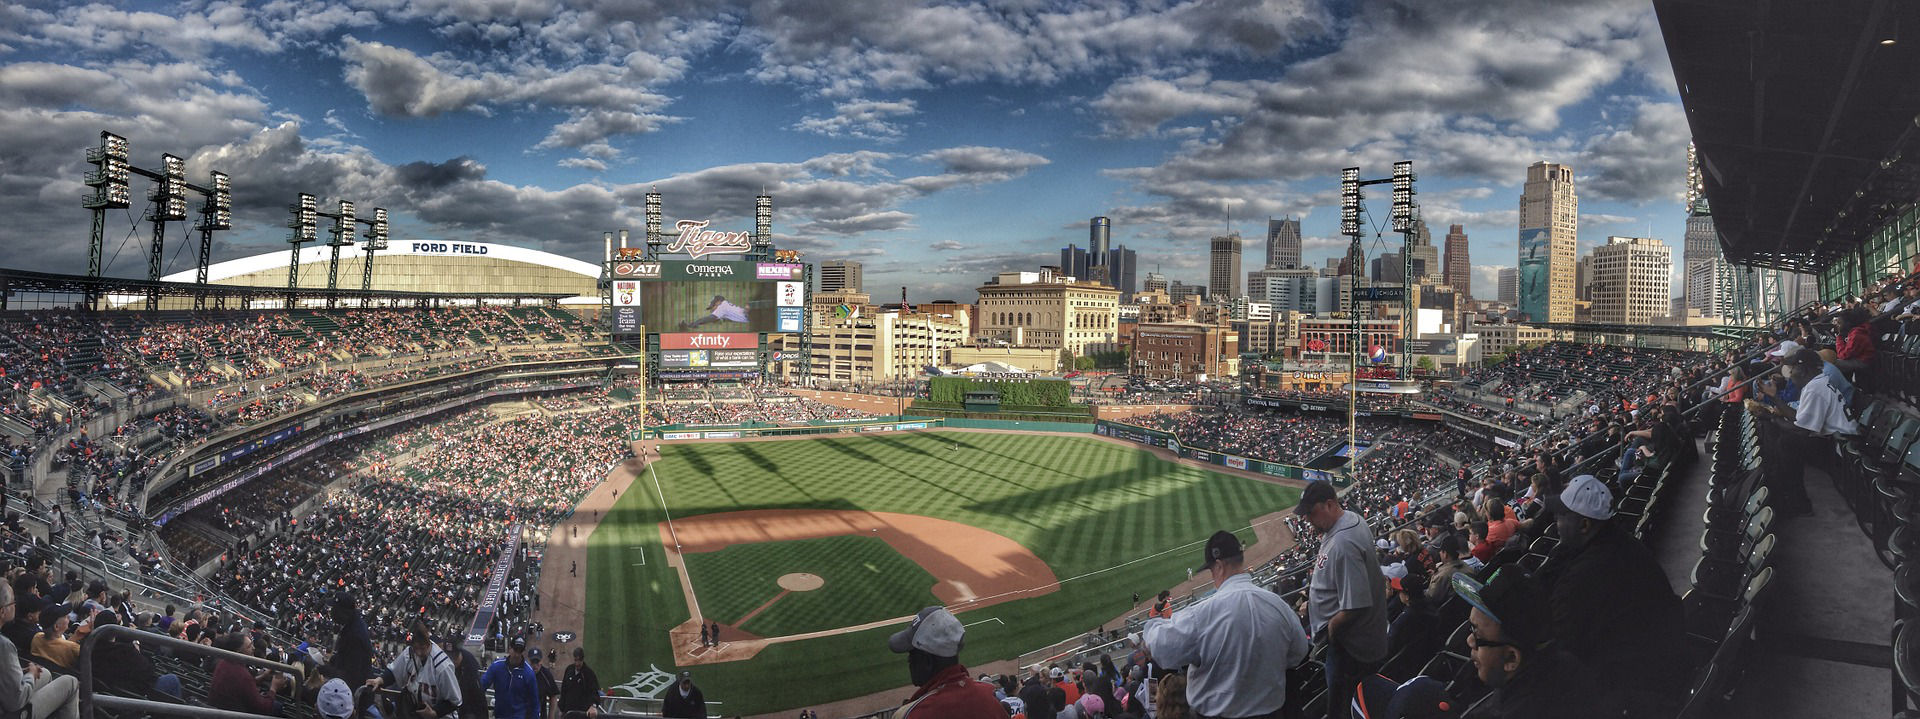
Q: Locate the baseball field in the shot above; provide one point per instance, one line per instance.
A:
(810, 552)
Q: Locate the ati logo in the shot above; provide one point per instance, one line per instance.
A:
(636, 269)
(698, 241)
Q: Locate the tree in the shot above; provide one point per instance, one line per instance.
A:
(1066, 358)
(1426, 363)
(1083, 363)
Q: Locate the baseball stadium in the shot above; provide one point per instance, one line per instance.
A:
(367, 477)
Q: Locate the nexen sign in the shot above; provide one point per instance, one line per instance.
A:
(446, 248)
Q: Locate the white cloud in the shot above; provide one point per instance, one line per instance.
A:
(867, 119)
(947, 246)
(973, 165)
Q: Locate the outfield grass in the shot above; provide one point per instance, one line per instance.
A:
(865, 581)
(1081, 505)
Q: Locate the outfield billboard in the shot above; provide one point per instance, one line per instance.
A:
(669, 296)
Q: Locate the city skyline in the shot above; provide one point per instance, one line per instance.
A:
(937, 144)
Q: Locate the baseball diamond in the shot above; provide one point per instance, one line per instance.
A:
(1056, 532)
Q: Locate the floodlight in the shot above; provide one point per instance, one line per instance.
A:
(377, 232)
(343, 224)
(305, 221)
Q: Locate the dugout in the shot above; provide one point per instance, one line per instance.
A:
(983, 401)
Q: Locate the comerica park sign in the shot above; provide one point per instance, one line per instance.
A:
(698, 241)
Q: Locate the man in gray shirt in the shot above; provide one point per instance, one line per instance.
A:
(50, 696)
(1346, 599)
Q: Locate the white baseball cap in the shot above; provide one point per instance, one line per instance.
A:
(335, 699)
(934, 631)
(1586, 496)
(1786, 349)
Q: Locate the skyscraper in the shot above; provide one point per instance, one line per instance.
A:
(1099, 241)
(1510, 285)
(1632, 280)
(1223, 277)
(1120, 271)
(1549, 232)
(1583, 279)
(1459, 274)
(1707, 276)
(1075, 261)
(1283, 244)
(1426, 257)
(840, 275)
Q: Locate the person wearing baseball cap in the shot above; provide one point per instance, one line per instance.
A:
(1804, 428)
(516, 691)
(932, 644)
(1612, 606)
(1236, 645)
(1347, 594)
(335, 700)
(1418, 698)
(1512, 650)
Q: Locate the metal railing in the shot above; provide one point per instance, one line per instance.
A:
(89, 700)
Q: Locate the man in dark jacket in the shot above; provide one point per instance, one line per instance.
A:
(580, 687)
(1512, 652)
(466, 669)
(118, 661)
(1034, 693)
(548, 687)
(1612, 606)
(21, 628)
(353, 651)
(684, 700)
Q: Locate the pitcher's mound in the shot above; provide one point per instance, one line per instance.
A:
(800, 582)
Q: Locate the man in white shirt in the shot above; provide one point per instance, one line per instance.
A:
(1239, 643)
(1818, 417)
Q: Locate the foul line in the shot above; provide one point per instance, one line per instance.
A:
(676, 536)
(984, 621)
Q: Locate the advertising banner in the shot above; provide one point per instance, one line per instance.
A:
(720, 435)
(680, 435)
(1434, 347)
(636, 269)
(732, 358)
(626, 320)
(913, 425)
(709, 340)
(1237, 462)
(790, 319)
(490, 601)
(1535, 251)
(626, 293)
(779, 271)
(677, 358)
(791, 294)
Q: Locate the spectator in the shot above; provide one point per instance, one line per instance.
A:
(1417, 698)
(1512, 651)
(22, 624)
(466, 668)
(1412, 631)
(52, 643)
(580, 687)
(685, 701)
(1162, 608)
(49, 696)
(1346, 596)
(1450, 547)
(335, 700)
(1612, 606)
(1237, 644)
(118, 663)
(932, 645)
(543, 674)
(353, 648)
(1090, 706)
(516, 692)
(1483, 550)
(1170, 699)
(234, 688)
(1033, 693)
(428, 680)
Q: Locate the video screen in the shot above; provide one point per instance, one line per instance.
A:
(709, 306)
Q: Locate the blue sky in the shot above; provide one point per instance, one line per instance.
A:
(938, 143)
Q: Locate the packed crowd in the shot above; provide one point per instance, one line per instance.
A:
(1287, 438)
(419, 538)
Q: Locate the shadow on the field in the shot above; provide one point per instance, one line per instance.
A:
(769, 466)
(1040, 504)
(910, 447)
(705, 469)
(842, 447)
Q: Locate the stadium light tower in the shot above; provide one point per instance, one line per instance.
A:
(169, 205)
(306, 226)
(1405, 219)
(376, 242)
(1350, 226)
(343, 228)
(109, 180)
(216, 214)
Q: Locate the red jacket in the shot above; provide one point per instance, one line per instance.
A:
(233, 689)
(1856, 345)
(951, 694)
